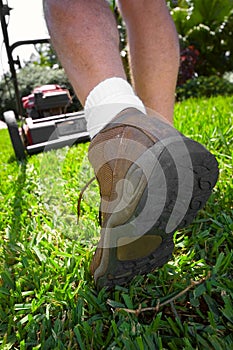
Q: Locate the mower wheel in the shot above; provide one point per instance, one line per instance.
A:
(16, 140)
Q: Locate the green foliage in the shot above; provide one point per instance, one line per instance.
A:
(204, 87)
(47, 295)
(46, 56)
(190, 13)
(207, 25)
(31, 76)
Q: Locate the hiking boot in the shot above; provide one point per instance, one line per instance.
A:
(153, 180)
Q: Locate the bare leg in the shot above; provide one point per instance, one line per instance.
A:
(154, 52)
(88, 47)
(85, 36)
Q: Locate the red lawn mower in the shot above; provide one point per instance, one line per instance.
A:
(47, 125)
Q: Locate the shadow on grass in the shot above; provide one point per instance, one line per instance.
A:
(15, 228)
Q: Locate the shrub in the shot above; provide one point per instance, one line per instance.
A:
(207, 26)
(188, 60)
(204, 87)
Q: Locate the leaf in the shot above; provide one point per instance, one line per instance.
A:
(115, 304)
(228, 308)
(210, 12)
(128, 301)
(7, 279)
(212, 305)
(79, 338)
(200, 290)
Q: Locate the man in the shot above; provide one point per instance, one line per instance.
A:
(152, 179)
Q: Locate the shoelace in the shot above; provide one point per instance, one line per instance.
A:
(81, 196)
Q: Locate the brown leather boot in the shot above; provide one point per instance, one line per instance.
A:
(153, 180)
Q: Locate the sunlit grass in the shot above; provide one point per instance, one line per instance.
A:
(47, 294)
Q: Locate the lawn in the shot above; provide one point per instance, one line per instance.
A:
(47, 295)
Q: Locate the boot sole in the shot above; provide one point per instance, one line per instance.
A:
(175, 183)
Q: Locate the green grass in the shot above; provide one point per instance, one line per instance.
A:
(47, 295)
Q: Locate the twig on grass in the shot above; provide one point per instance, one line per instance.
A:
(159, 305)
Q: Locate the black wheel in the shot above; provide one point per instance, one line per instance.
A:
(16, 140)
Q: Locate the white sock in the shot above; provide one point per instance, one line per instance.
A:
(106, 100)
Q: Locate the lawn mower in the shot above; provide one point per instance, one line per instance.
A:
(47, 125)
